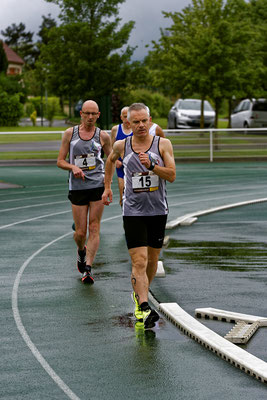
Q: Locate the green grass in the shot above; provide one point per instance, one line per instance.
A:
(179, 141)
(33, 137)
(29, 128)
(29, 155)
(5, 139)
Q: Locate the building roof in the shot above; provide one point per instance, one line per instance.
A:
(12, 57)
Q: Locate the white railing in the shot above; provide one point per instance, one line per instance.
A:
(168, 132)
(210, 131)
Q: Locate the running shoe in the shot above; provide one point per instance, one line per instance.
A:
(137, 312)
(81, 260)
(150, 317)
(87, 277)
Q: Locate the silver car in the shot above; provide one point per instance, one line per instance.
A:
(185, 114)
(250, 114)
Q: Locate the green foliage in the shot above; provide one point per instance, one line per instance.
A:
(29, 109)
(82, 57)
(52, 108)
(158, 104)
(3, 58)
(11, 110)
(212, 48)
(46, 25)
(33, 103)
(21, 42)
(13, 84)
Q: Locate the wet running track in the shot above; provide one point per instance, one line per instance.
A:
(61, 339)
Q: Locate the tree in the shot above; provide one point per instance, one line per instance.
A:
(258, 17)
(209, 50)
(84, 56)
(44, 28)
(21, 42)
(3, 58)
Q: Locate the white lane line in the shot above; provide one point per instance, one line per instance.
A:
(61, 384)
(30, 198)
(34, 205)
(33, 219)
(44, 216)
(29, 191)
(23, 332)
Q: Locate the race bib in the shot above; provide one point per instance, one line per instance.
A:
(145, 182)
(85, 161)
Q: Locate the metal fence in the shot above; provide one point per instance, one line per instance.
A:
(206, 144)
(219, 143)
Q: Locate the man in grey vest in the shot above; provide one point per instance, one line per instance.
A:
(148, 162)
(84, 144)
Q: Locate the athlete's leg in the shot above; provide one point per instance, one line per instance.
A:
(156, 232)
(80, 219)
(95, 214)
(139, 276)
(152, 263)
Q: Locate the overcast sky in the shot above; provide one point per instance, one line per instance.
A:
(147, 15)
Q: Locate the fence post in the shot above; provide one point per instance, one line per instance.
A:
(211, 146)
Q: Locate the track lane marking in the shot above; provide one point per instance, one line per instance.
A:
(61, 384)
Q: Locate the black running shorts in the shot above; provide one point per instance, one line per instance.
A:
(84, 197)
(145, 231)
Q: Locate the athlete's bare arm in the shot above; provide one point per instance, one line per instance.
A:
(113, 134)
(62, 155)
(116, 152)
(168, 172)
(105, 142)
(159, 132)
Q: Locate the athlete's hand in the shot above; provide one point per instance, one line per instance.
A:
(144, 159)
(118, 164)
(78, 173)
(107, 197)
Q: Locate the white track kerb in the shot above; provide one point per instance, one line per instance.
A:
(199, 332)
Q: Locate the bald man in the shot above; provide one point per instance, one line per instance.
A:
(84, 143)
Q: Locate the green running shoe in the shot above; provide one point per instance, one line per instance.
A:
(137, 312)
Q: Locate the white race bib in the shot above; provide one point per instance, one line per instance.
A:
(85, 161)
(145, 182)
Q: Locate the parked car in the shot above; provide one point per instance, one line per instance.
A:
(186, 114)
(250, 114)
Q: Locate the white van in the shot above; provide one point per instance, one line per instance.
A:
(250, 114)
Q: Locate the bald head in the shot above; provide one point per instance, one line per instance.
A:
(90, 104)
(89, 113)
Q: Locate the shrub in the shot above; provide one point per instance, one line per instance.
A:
(52, 108)
(11, 110)
(34, 103)
(158, 104)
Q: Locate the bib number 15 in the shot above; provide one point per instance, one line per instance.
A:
(145, 183)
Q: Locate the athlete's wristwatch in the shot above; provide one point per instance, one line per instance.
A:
(152, 165)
